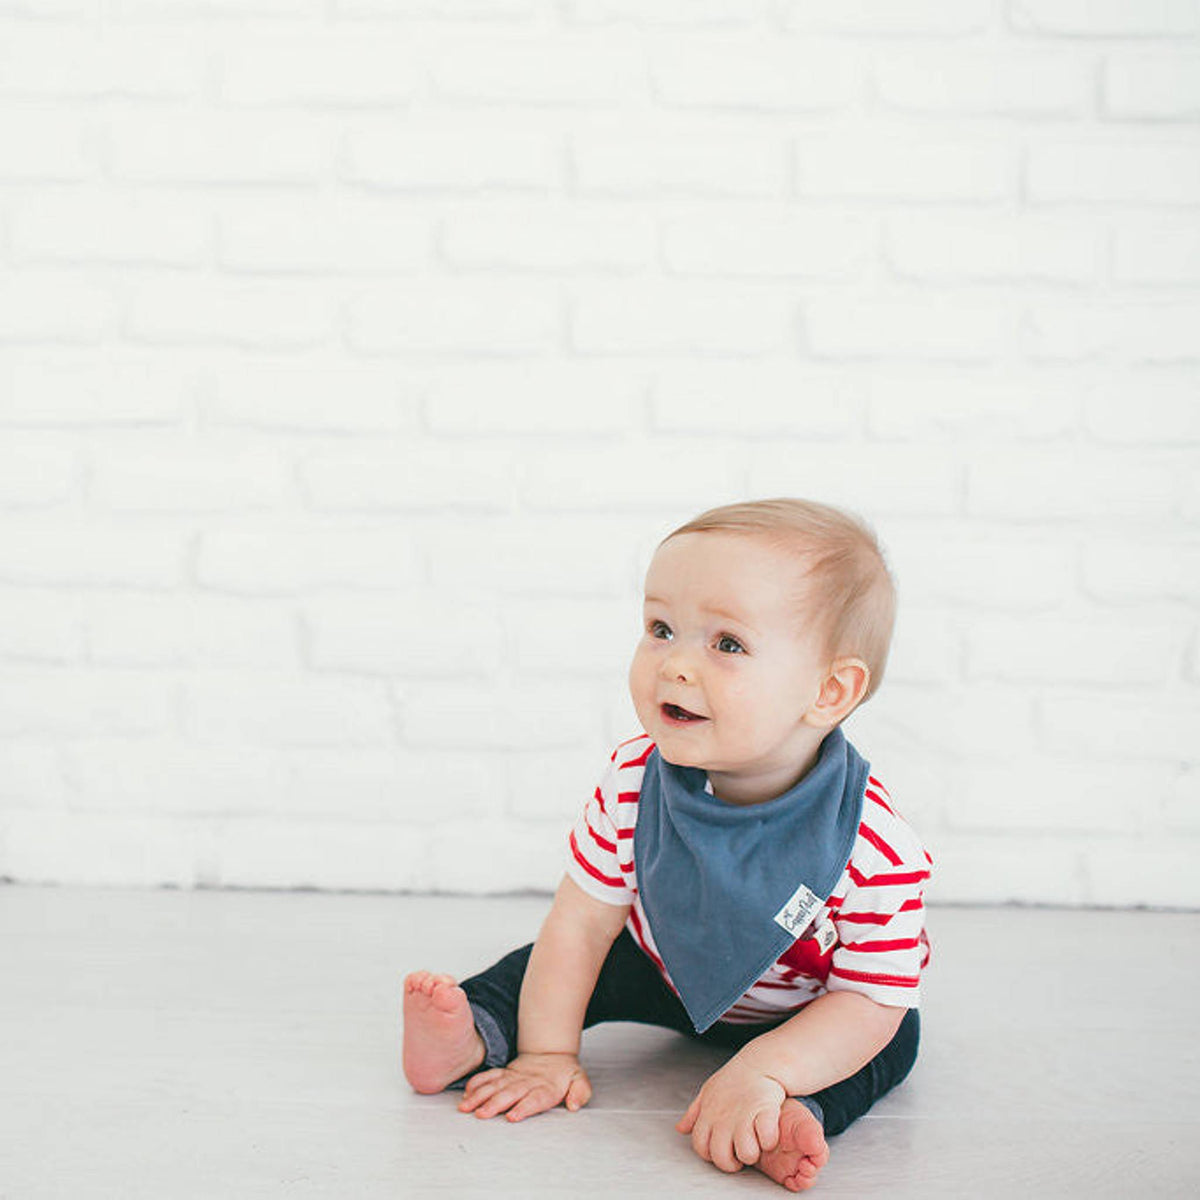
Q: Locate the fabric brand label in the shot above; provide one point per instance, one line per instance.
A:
(799, 911)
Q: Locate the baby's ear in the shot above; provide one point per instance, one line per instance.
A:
(841, 693)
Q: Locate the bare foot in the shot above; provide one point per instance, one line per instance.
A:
(801, 1152)
(441, 1043)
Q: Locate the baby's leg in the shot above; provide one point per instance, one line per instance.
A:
(441, 1043)
(801, 1151)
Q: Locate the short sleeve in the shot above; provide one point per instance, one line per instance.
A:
(880, 921)
(593, 861)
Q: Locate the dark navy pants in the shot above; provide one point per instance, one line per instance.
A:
(631, 989)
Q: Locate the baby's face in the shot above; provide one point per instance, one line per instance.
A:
(726, 669)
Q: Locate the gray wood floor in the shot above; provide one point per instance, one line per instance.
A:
(212, 1045)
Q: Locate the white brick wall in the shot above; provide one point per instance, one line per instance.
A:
(354, 355)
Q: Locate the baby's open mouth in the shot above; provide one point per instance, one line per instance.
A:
(674, 713)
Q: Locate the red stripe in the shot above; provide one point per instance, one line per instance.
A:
(641, 940)
(899, 981)
(625, 833)
(641, 759)
(880, 801)
(587, 866)
(886, 880)
(628, 797)
(603, 843)
(880, 845)
(875, 783)
(598, 796)
(882, 947)
(916, 904)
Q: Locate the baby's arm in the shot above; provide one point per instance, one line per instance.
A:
(735, 1116)
(570, 950)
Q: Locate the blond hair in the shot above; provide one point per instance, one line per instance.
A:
(848, 585)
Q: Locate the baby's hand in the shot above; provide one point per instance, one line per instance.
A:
(735, 1116)
(530, 1084)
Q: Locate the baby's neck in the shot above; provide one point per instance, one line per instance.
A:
(745, 789)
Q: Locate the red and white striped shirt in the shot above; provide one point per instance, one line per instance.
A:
(869, 936)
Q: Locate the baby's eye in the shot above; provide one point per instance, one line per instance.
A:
(660, 629)
(730, 645)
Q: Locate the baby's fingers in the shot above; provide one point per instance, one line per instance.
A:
(536, 1100)
(688, 1120)
(478, 1093)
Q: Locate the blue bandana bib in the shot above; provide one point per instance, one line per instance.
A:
(728, 888)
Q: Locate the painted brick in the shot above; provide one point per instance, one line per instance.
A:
(983, 572)
(106, 850)
(41, 306)
(454, 318)
(208, 147)
(288, 396)
(1182, 812)
(1151, 332)
(756, 400)
(332, 69)
(413, 787)
(1041, 794)
(984, 721)
(570, 556)
(771, 243)
(1081, 650)
(43, 147)
(1067, 486)
(1155, 87)
(913, 330)
(213, 475)
(90, 552)
(70, 64)
(38, 702)
(670, 478)
(1128, 571)
(992, 249)
(40, 626)
(407, 636)
(189, 630)
(576, 398)
(583, 637)
(865, 479)
(926, 648)
(1156, 252)
(553, 787)
(755, 73)
(37, 471)
(110, 227)
(1155, 871)
(31, 776)
(1145, 408)
(455, 158)
(498, 856)
(576, 69)
(957, 82)
(410, 478)
(278, 558)
(674, 319)
(986, 868)
(328, 854)
(442, 10)
(549, 238)
(942, 407)
(902, 167)
(1105, 18)
(303, 237)
(663, 12)
(111, 389)
(494, 717)
(678, 163)
(273, 709)
(265, 316)
(1113, 173)
(1133, 724)
(875, 18)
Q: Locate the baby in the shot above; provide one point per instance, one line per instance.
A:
(740, 874)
